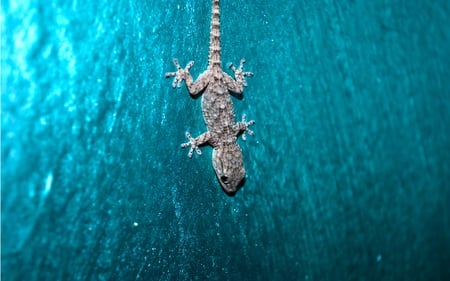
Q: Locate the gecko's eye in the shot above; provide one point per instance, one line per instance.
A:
(224, 179)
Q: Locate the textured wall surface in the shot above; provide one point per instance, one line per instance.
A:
(348, 173)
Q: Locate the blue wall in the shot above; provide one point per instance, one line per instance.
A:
(348, 175)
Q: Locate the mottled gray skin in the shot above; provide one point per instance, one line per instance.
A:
(218, 110)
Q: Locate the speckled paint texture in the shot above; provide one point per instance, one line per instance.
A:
(348, 174)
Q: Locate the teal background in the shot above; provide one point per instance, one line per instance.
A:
(347, 176)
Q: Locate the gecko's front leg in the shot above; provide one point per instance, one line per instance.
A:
(195, 143)
(181, 74)
(243, 127)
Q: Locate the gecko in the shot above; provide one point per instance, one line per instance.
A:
(215, 86)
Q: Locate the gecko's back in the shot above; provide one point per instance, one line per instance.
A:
(218, 113)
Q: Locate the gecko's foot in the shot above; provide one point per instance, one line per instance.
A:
(246, 125)
(239, 72)
(192, 144)
(180, 74)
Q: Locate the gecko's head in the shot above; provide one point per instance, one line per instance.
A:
(229, 167)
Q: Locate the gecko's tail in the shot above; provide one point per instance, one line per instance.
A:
(214, 36)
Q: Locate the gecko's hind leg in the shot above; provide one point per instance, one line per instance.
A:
(195, 143)
(239, 73)
(181, 73)
(237, 84)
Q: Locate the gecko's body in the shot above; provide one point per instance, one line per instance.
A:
(218, 110)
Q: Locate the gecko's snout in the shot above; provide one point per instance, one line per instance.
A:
(230, 184)
(229, 167)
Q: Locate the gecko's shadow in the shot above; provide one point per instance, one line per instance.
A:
(236, 95)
